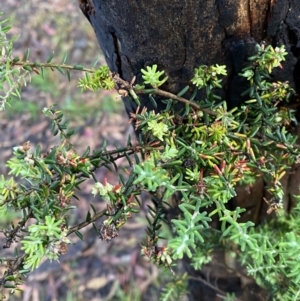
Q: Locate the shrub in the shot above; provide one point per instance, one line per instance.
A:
(202, 152)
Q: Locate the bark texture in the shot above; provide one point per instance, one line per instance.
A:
(179, 35)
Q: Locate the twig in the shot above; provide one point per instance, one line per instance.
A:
(18, 262)
(84, 224)
(211, 286)
(175, 97)
(51, 65)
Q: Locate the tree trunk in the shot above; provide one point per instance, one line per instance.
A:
(180, 35)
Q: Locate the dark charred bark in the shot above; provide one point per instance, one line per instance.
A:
(179, 35)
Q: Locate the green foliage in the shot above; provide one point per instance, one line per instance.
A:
(208, 76)
(278, 255)
(189, 230)
(202, 151)
(101, 79)
(10, 79)
(158, 129)
(44, 240)
(221, 149)
(151, 76)
(150, 176)
(175, 290)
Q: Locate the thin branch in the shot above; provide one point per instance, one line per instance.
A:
(52, 65)
(15, 267)
(239, 273)
(84, 224)
(128, 86)
(175, 97)
(212, 286)
(135, 149)
(11, 235)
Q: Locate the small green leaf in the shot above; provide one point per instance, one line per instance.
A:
(64, 58)
(78, 67)
(61, 70)
(68, 75)
(50, 57)
(27, 54)
(27, 68)
(79, 234)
